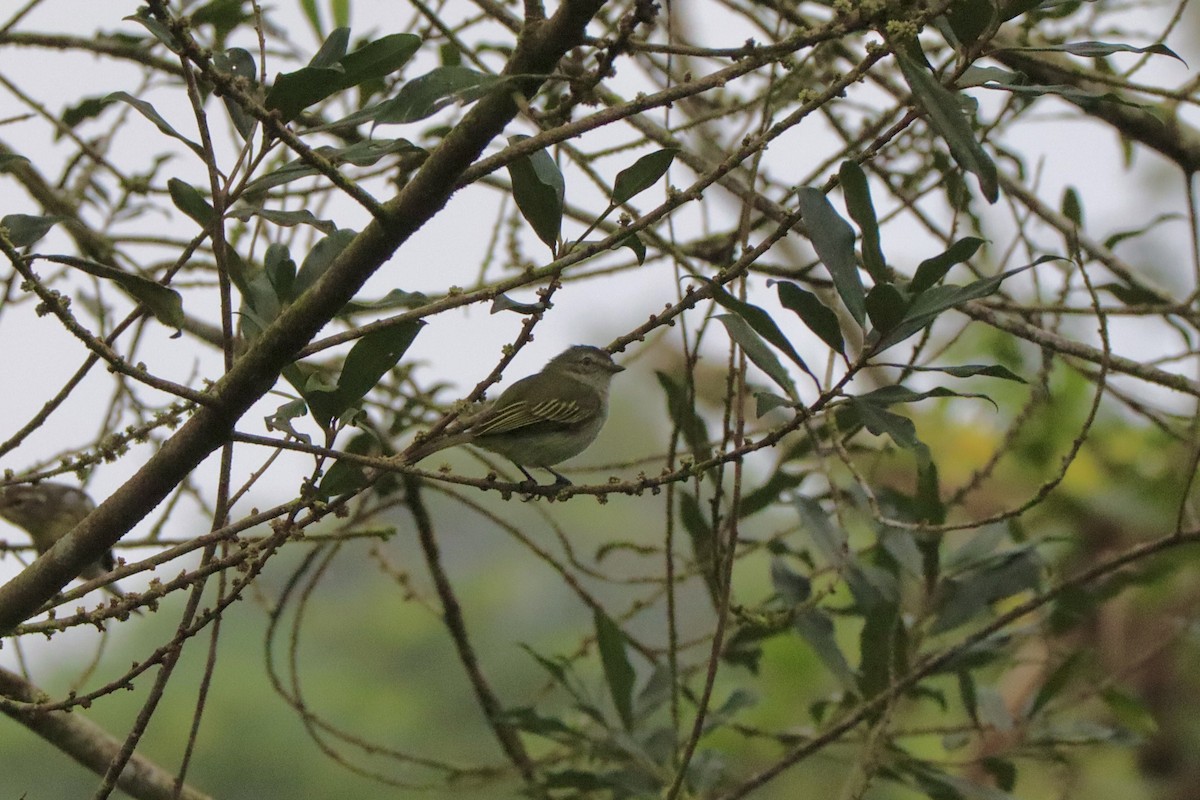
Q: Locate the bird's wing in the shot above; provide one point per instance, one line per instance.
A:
(539, 406)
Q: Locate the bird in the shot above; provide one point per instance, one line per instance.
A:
(48, 511)
(542, 419)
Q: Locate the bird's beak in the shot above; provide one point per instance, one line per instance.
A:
(614, 368)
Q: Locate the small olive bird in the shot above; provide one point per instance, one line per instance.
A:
(47, 512)
(542, 419)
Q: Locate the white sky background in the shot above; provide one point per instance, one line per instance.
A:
(461, 346)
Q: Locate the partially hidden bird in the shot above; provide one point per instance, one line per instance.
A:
(48, 511)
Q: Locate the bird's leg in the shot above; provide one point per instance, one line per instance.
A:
(530, 481)
(559, 478)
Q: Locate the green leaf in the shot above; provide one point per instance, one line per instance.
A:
(287, 219)
(343, 477)
(1072, 206)
(333, 70)
(618, 672)
(148, 111)
(792, 587)
(634, 243)
(373, 355)
(156, 28)
(858, 202)
(1116, 238)
(684, 416)
(380, 58)
(833, 239)
(1130, 712)
(765, 402)
(930, 304)
(188, 199)
(312, 14)
(879, 421)
(964, 596)
(280, 270)
(758, 352)
(927, 500)
(503, 302)
(281, 420)
(396, 298)
(970, 18)
(320, 257)
(769, 493)
(816, 628)
(1100, 49)
(819, 318)
(539, 191)
(1002, 771)
(341, 12)
(979, 76)
(881, 634)
(885, 306)
(332, 49)
(162, 301)
(361, 154)
(368, 361)
(947, 118)
(292, 92)
(971, 370)
(829, 538)
(1134, 295)
(898, 393)
(25, 230)
(644, 173)
(238, 61)
(1055, 683)
(426, 95)
(932, 270)
(704, 544)
(759, 320)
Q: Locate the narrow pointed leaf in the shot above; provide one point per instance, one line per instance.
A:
(162, 301)
(947, 118)
(792, 587)
(148, 111)
(931, 303)
(815, 627)
(320, 257)
(187, 198)
(426, 95)
(539, 191)
(858, 202)
(332, 49)
(704, 544)
(25, 230)
(684, 416)
(644, 173)
(367, 362)
(618, 672)
(292, 92)
(819, 318)
(885, 306)
(759, 320)
(932, 270)
(971, 370)
(758, 351)
(829, 538)
(970, 18)
(833, 239)
(1101, 49)
(380, 58)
